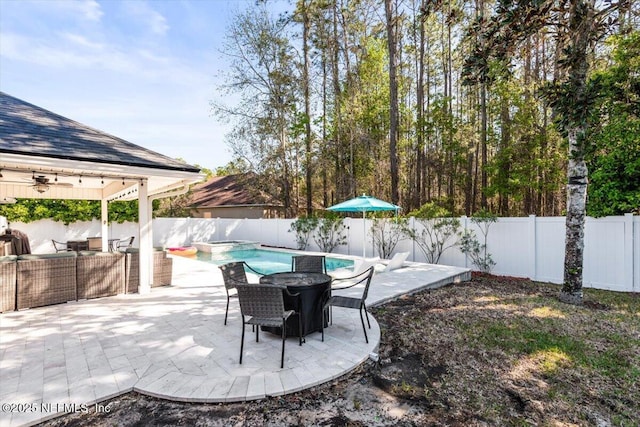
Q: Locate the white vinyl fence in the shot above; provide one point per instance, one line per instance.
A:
(530, 247)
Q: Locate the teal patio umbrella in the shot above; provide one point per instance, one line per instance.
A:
(364, 204)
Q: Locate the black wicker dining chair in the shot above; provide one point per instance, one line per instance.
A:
(59, 246)
(234, 274)
(263, 305)
(309, 264)
(330, 300)
(124, 243)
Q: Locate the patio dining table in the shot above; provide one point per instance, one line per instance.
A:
(311, 287)
(78, 245)
(83, 245)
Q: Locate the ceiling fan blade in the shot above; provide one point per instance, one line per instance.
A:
(8, 181)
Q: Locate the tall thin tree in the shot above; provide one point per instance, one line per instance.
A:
(394, 115)
(579, 25)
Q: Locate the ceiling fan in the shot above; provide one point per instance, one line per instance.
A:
(41, 183)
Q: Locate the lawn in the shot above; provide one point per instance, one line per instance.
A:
(492, 351)
(505, 351)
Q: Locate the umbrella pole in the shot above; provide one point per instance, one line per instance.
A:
(364, 234)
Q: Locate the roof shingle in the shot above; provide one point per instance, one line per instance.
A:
(30, 130)
(230, 190)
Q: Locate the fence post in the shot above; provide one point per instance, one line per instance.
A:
(278, 239)
(464, 222)
(348, 221)
(628, 252)
(636, 253)
(533, 248)
(412, 224)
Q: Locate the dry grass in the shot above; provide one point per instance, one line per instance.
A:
(510, 354)
(492, 351)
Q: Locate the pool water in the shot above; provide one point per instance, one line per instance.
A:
(265, 261)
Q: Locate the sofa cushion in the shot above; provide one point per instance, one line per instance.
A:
(137, 250)
(8, 258)
(69, 254)
(97, 253)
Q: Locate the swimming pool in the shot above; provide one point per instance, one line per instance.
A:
(266, 261)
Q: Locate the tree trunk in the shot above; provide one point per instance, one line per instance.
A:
(393, 99)
(483, 129)
(504, 158)
(307, 107)
(581, 25)
(427, 175)
(420, 158)
(574, 241)
(483, 144)
(324, 163)
(286, 191)
(337, 95)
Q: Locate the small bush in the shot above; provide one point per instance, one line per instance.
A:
(386, 233)
(304, 228)
(330, 233)
(438, 231)
(470, 246)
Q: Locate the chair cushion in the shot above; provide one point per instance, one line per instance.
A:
(397, 261)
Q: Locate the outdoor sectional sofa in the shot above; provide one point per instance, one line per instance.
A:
(37, 280)
(8, 266)
(162, 269)
(45, 279)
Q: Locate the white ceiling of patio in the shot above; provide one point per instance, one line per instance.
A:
(50, 178)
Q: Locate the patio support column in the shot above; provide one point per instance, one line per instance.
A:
(150, 237)
(104, 224)
(144, 224)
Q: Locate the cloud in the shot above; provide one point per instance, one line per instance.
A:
(90, 9)
(84, 10)
(148, 17)
(65, 51)
(74, 52)
(82, 41)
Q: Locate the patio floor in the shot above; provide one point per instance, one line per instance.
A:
(172, 344)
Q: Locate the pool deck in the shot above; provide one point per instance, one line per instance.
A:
(172, 344)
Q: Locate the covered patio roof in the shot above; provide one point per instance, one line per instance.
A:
(47, 156)
(74, 161)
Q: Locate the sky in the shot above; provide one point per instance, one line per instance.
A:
(144, 71)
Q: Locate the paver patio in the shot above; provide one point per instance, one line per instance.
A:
(172, 344)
